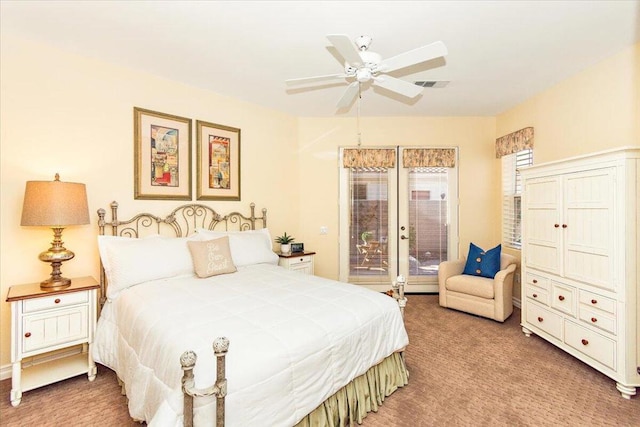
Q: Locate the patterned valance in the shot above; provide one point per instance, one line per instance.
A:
(369, 158)
(429, 157)
(514, 142)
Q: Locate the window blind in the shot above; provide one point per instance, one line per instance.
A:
(511, 196)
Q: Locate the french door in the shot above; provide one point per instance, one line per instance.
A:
(397, 216)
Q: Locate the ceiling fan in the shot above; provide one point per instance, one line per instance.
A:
(362, 66)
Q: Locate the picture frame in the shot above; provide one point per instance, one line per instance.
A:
(297, 247)
(162, 156)
(218, 162)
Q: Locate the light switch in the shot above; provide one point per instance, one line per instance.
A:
(324, 229)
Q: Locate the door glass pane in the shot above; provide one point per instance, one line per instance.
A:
(368, 225)
(428, 239)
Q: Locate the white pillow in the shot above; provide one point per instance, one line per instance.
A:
(129, 261)
(247, 247)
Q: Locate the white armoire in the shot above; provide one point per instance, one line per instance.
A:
(580, 249)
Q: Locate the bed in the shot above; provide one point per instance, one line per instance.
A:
(297, 350)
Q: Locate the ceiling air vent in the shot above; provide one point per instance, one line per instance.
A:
(432, 83)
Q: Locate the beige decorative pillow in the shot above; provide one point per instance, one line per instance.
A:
(211, 257)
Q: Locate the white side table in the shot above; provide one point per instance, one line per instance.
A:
(298, 261)
(44, 321)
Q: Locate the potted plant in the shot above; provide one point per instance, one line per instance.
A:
(285, 243)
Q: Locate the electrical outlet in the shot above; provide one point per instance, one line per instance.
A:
(324, 230)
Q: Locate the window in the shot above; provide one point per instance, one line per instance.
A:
(511, 196)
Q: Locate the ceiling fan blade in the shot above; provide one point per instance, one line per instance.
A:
(415, 56)
(346, 48)
(314, 79)
(349, 95)
(398, 86)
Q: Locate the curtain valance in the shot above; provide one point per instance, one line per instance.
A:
(368, 158)
(429, 157)
(514, 142)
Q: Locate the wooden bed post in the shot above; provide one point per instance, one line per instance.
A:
(219, 389)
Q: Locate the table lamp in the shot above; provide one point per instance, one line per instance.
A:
(55, 204)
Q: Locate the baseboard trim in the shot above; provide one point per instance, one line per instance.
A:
(517, 303)
(5, 372)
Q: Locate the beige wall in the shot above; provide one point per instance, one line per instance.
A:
(595, 110)
(74, 115)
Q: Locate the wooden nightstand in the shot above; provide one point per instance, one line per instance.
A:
(299, 261)
(45, 321)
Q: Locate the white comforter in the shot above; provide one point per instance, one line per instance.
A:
(295, 340)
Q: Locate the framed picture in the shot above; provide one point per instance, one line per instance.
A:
(218, 162)
(162, 156)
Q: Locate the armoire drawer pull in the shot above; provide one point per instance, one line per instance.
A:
(594, 320)
(584, 342)
(594, 301)
(535, 280)
(27, 335)
(540, 319)
(57, 301)
(561, 297)
(556, 225)
(535, 295)
(564, 225)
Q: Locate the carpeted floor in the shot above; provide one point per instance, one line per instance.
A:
(465, 371)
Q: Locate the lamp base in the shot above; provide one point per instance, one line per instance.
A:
(53, 284)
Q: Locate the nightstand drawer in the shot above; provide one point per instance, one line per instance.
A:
(293, 261)
(52, 328)
(54, 301)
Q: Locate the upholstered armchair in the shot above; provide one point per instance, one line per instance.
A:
(482, 296)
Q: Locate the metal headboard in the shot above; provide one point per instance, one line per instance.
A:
(181, 222)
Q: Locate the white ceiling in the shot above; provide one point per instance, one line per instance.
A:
(500, 52)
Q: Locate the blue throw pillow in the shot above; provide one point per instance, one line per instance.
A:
(483, 263)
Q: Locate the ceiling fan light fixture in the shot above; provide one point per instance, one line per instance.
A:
(363, 75)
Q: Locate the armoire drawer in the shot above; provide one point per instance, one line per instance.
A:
(536, 280)
(545, 320)
(597, 301)
(590, 343)
(563, 298)
(538, 294)
(597, 318)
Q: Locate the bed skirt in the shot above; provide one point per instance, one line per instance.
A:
(364, 394)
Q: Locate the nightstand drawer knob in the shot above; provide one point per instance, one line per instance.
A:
(594, 320)
(561, 298)
(535, 295)
(540, 319)
(27, 335)
(594, 301)
(57, 301)
(584, 342)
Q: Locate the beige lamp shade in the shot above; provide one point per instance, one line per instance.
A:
(55, 204)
